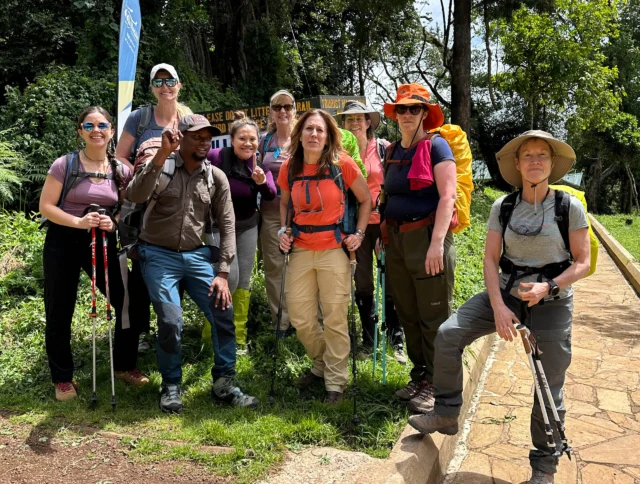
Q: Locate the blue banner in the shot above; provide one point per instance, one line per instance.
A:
(130, 23)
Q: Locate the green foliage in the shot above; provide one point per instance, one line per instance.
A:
(626, 234)
(43, 118)
(9, 182)
(556, 60)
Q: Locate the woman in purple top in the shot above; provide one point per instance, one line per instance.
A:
(274, 148)
(247, 180)
(67, 248)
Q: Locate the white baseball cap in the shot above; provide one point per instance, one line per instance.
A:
(164, 67)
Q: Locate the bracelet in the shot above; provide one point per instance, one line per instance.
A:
(359, 233)
(281, 231)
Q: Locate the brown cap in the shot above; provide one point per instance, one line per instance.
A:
(196, 122)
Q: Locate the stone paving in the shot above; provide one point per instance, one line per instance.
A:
(602, 395)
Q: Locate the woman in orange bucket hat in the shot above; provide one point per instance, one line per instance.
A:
(419, 197)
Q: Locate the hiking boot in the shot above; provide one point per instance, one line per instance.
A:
(144, 344)
(225, 390)
(364, 353)
(132, 377)
(333, 398)
(66, 390)
(308, 380)
(241, 350)
(424, 400)
(398, 354)
(540, 477)
(170, 398)
(410, 391)
(431, 422)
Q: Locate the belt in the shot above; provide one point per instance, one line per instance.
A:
(408, 226)
(178, 251)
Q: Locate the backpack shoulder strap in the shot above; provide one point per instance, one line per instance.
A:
(168, 171)
(146, 112)
(506, 210)
(336, 174)
(562, 205)
(265, 142)
(226, 154)
(382, 151)
(387, 156)
(72, 162)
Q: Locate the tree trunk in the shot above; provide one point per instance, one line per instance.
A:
(593, 188)
(461, 65)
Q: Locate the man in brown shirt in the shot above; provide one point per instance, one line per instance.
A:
(171, 252)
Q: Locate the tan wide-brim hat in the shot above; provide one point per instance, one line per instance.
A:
(563, 157)
(356, 107)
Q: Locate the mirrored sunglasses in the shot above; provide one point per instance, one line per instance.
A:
(90, 126)
(169, 82)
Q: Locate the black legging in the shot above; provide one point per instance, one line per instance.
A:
(66, 251)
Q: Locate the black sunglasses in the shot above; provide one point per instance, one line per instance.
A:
(169, 82)
(414, 109)
(88, 127)
(278, 107)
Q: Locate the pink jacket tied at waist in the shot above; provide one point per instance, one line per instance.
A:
(421, 172)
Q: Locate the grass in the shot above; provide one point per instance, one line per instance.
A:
(627, 235)
(258, 438)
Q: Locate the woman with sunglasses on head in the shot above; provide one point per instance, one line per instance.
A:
(142, 126)
(101, 180)
(532, 256)
(418, 214)
(247, 179)
(318, 273)
(362, 123)
(274, 148)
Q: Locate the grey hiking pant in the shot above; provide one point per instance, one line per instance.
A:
(550, 323)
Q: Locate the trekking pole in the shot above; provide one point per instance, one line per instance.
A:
(102, 211)
(93, 315)
(383, 324)
(354, 369)
(375, 334)
(280, 304)
(535, 356)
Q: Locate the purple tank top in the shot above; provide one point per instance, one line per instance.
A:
(103, 193)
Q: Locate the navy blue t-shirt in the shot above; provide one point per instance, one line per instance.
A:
(404, 203)
(154, 130)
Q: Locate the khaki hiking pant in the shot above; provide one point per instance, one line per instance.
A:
(321, 276)
(423, 302)
(273, 265)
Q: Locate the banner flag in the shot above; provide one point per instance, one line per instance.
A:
(130, 23)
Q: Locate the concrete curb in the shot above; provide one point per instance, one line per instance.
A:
(417, 459)
(623, 259)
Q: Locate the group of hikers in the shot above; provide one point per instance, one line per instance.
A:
(289, 190)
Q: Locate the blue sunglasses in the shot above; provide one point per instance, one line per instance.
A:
(90, 126)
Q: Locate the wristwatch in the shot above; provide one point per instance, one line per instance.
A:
(554, 289)
(360, 233)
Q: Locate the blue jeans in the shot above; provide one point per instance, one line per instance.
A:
(163, 270)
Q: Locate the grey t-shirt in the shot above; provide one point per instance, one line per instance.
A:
(131, 126)
(536, 251)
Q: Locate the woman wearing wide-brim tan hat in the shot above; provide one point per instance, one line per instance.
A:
(362, 123)
(526, 262)
(420, 193)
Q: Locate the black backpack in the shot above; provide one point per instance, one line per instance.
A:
(146, 112)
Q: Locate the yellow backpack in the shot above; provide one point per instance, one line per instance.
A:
(459, 144)
(593, 240)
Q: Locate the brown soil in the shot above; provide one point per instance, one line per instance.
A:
(95, 459)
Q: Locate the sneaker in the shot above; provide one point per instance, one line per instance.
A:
(66, 390)
(410, 391)
(423, 402)
(225, 390)
(364, 353)
(431, 422)
(540, 477)
(170, 398)
(308, 380)
(333, 398)
(398, 354)
(132, 377)
(143, 343)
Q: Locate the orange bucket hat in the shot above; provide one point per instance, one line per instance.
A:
(416, 94)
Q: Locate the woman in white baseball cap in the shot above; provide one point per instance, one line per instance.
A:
(143, 126)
